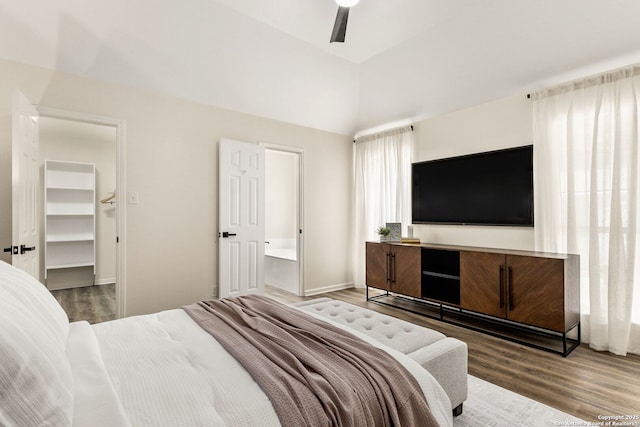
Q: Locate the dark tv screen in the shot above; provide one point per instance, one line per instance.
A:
(492, 188)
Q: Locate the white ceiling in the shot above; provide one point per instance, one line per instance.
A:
(373, 26)
(402, 59)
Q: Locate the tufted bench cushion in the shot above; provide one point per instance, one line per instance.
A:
(444, 357)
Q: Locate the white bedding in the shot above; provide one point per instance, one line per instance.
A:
(94, 398)
(166, 371)
(155, 370)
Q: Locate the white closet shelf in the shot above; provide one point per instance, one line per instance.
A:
(71, 265)
(67, 189)
(69, 208)
(70, 214)
(69, 211)
(67, 239)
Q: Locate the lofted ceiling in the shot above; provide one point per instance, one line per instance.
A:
(402, 59)
(373, 27)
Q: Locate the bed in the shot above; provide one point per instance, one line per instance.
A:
(160, 369)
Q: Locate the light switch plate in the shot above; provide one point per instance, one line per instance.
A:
(132, 197)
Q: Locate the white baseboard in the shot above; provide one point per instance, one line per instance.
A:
(106, 281)
(331, 288)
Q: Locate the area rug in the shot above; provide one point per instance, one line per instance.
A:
(490, 405)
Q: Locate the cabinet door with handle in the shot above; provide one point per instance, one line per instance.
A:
(378, 258)
(535, 291)
(482, 283)
(406, 270)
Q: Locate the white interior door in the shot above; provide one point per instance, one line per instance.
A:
(241, 218)
(25, 184)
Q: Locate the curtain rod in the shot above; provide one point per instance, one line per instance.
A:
(411, 126)
(594, 79)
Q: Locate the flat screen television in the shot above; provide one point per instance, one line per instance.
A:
(491, 188)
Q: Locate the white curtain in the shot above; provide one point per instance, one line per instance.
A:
(382, 188)
(586, 163)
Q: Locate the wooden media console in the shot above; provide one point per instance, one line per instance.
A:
(528, 297)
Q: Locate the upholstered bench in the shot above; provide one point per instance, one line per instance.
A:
(444, 357)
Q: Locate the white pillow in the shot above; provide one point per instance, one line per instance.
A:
(36, 385)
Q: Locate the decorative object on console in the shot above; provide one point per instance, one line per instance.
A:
(396, 231)
(409, 237)
(383, 232)
(409, 240)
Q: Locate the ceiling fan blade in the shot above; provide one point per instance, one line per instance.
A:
(340, 26)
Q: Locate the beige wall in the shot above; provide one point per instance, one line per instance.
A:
(281, 179)
(172, 161)
(500, 124)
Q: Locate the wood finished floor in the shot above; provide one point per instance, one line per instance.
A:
(586, 384)
(91, 303)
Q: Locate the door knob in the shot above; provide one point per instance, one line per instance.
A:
(226, 234)
(24, 248)
(13, 250)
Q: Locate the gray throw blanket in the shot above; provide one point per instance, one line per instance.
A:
(314, 373)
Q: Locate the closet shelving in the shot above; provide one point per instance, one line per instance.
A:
(69, 210)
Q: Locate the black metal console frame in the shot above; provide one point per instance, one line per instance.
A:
(568, 344)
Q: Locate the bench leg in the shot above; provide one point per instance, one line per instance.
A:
(457, 410)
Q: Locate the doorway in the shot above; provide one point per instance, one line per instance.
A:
(283, 219)
(78, 260)
(92, 292)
